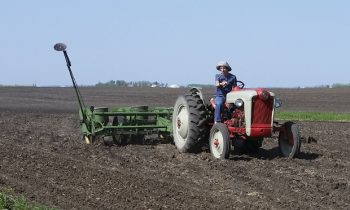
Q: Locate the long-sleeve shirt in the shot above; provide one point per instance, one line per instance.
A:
(231, 82)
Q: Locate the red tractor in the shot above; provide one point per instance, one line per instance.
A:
(247, 118)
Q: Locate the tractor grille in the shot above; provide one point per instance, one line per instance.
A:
(262, 111)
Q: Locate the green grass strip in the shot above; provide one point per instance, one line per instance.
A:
(313, 116)
(8, 201)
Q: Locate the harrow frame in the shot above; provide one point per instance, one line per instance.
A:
(118, 121)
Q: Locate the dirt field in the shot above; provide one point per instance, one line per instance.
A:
(43, 158)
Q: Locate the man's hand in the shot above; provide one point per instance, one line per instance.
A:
(223, 84)
(220, 84)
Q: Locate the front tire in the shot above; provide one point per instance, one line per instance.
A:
(219, 141)
(289, 140)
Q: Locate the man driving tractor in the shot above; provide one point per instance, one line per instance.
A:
(224, 82)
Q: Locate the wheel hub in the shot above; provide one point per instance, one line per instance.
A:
(182, 122)
(216, 143)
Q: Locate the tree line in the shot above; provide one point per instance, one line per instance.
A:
(123, 83)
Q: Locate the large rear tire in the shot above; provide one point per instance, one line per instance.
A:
(289, 140)
(219, 141)
(189, 122)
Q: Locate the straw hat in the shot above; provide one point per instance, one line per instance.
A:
(223, 63)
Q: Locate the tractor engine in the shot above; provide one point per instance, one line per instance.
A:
(237, 117)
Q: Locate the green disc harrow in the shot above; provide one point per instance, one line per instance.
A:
(119, 123)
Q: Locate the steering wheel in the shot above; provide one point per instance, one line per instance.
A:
(240, 84)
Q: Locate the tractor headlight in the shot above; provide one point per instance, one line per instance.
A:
(278, 103)
(239, 103)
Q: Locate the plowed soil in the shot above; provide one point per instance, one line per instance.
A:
(43, 157)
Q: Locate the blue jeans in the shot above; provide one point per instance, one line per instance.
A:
(219, 101)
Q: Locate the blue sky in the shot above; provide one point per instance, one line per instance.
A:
(269, 43)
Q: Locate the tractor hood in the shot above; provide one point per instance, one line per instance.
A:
(245, 94)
